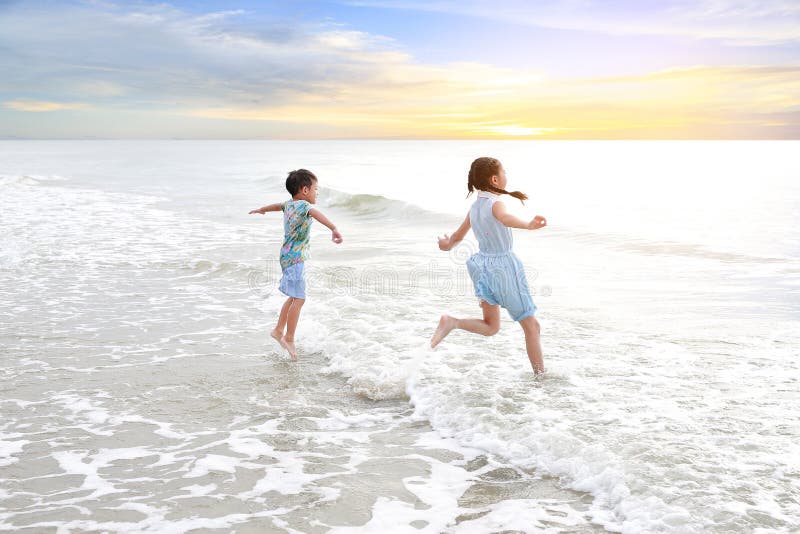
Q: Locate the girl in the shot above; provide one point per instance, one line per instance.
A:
(496, 272)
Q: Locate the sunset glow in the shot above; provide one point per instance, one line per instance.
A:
(357, 69)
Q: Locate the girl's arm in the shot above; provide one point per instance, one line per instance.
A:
(336, 237)
(500, 213)
(268, 207)
(447, 242)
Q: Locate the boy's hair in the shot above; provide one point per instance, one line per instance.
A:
(480, 177)
(299, 179)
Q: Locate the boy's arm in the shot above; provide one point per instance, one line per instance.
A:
(336, 236)
(269, 207)
(500, 213)
(446, 243)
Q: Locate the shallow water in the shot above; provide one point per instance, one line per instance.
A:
(141, 391)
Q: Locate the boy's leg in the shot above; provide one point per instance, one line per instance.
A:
(532, 343)
(488, 326)
(277, 332)
(293, 316)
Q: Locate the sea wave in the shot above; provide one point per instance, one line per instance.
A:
(7, 180)
(369, 205)
(482, 395)
(650, 247)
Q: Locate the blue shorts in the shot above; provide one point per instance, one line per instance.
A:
(293, 280)
(500, 279)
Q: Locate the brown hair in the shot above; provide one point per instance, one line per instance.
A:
(480, 177)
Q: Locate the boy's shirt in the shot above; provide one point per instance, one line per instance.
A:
(297, 231)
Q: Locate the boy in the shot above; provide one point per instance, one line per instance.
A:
(297, 214)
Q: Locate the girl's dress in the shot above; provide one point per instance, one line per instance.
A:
(496, 272)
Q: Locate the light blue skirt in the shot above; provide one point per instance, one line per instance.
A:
(500, 279)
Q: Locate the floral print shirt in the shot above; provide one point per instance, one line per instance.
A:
(297, 230)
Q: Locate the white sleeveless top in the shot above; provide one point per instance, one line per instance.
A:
(494, 238)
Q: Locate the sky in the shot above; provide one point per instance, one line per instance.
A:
(401, 69)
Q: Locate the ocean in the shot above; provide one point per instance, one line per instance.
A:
(141, 391)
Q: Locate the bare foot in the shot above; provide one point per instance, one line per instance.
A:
(276, 335)
(289, 346)
(446, 325)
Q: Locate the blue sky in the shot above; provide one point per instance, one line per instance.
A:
(410, 69)
(454, 33)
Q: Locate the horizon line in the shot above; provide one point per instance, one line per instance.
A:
(517, 138)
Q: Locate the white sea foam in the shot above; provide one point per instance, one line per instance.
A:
(213, 462)
(10, 448)
(524, 515)
(483, 405)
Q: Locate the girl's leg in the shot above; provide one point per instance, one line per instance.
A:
(488, 326)
(291, 324)
(277, 332)
(531, 328)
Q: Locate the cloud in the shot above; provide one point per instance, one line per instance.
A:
(740, 22)
(175, 68)
(157, 54)
(669, 103)
(39, 105)
(159, 57)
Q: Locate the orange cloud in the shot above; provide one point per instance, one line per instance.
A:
(42, 105)
(470, 100)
